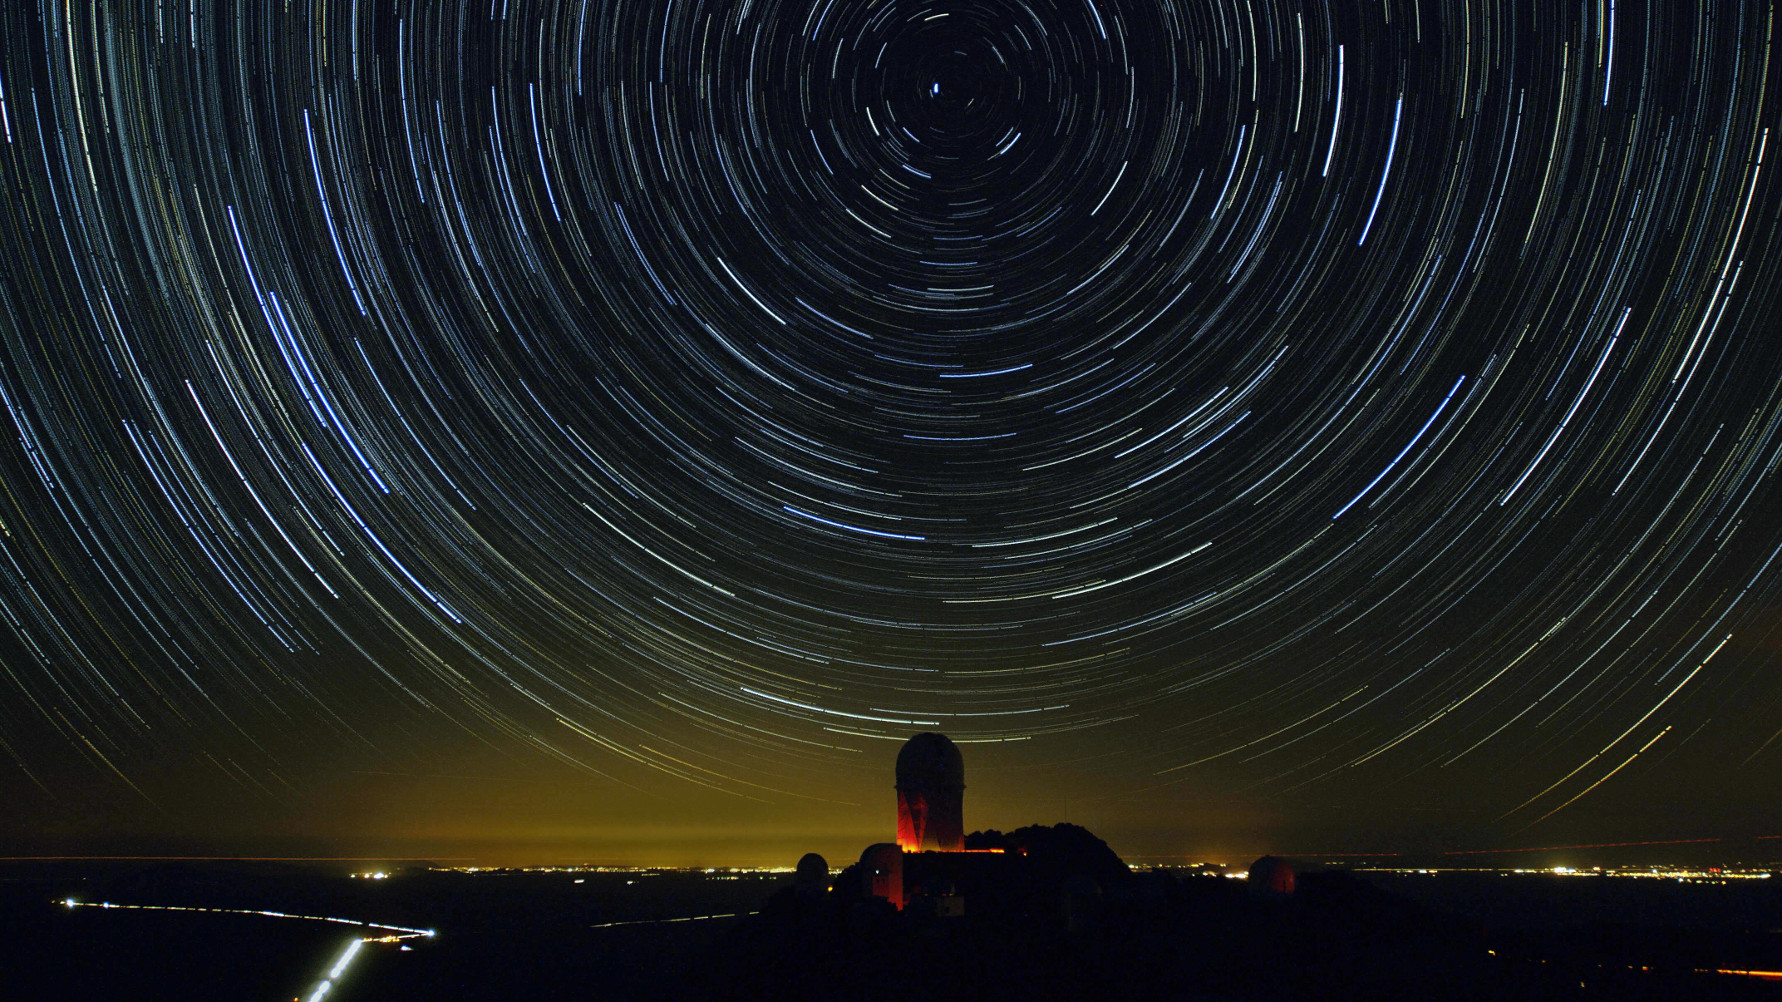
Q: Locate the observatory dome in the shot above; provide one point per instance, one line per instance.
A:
(930, 762)
(930, 795)
(1271, 875)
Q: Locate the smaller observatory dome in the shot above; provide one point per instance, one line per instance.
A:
(930, 762)
(812, 880)
(1271, 875)
(881, 872)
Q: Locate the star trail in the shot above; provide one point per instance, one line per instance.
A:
(1288, 404)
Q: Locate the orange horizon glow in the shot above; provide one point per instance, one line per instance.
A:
(243, 859)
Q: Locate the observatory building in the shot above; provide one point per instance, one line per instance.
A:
(1272, 876)
(928, 867)
(930, 795)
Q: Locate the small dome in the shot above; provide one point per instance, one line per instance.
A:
(930, 761)
(813, 867)
(881, 872)
(1271, 875)
(812, 881)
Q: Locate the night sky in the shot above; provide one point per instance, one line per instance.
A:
(605, 429)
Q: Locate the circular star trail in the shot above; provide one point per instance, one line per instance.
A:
(1295, 398)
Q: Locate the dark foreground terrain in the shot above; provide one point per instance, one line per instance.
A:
(540, 936)
(1338, 937)
(522, 935)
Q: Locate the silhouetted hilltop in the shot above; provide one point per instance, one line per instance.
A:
(1160, 935)
(1057, 851)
